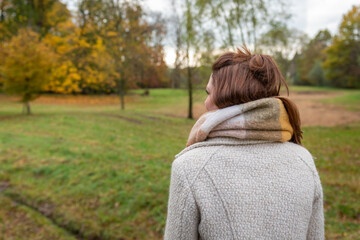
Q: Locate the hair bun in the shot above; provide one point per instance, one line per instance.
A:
(259, 68)
(256, 62)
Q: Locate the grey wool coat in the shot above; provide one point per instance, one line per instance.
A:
(227, 188)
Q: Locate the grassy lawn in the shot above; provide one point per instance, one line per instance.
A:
(337, 154)
(350, 99)
(96, 172)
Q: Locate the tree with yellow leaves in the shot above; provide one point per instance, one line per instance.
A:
(342, 64)
(81, 65)
(26, 66)
(132, 42)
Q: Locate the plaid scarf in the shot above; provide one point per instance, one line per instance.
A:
(262, 119)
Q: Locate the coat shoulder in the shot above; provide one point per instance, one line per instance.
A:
(191, 162)
(303, 154)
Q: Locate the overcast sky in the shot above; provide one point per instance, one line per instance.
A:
(309, 16)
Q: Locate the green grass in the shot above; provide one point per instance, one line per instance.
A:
(350, 99)
(337, 154)
(99, 172)
(314, 89)
(19, 222)
(104, 176)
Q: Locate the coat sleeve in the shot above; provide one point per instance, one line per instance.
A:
(316, 224)
(183, 215)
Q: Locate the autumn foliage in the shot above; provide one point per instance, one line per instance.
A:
(108, 46)
(26, 67)
(343, 55)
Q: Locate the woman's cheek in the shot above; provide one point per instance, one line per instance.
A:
(207, 103)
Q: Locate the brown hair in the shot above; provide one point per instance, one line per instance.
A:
(243, 77)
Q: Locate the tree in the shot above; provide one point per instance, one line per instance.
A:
(176, 26)
(316, 75)
(124, 32)
(150, 54)
(39, 15)
(241, 22)
(27, 65)
(190, 42)
(188, 35)
(282, 43)
(82, 64)
(207, 57)
(133, 43)
(310, 57)
(342, 64)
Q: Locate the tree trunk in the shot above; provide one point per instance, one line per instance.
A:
(147, 85)
(190, 114)
(26, 108)
(122, 93)
(2, 7)
(122, 100)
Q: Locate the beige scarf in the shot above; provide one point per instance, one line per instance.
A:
(262, 119)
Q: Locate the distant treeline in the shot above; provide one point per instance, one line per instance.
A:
(329, 60)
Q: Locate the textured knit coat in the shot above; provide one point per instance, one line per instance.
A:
(227, 188)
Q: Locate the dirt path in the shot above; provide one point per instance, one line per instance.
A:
(313, 113)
